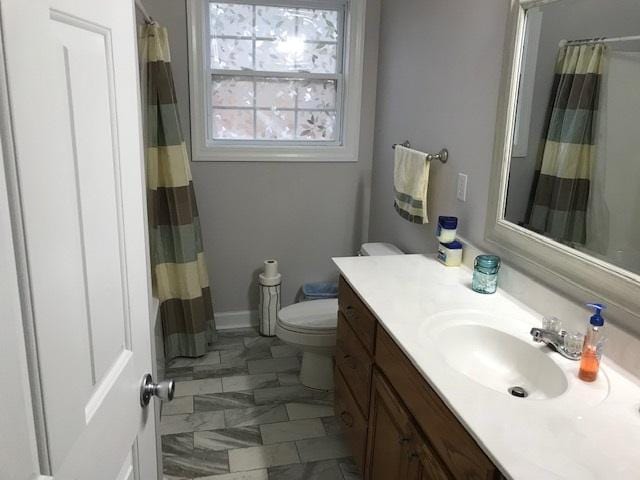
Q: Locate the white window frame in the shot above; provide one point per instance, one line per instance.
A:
(344, 149)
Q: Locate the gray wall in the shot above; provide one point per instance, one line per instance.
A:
(568, 19)
(438, 82)
(300, 214)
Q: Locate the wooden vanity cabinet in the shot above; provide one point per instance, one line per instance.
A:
(395, 423)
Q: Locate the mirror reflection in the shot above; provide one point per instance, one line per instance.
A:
(575, 167)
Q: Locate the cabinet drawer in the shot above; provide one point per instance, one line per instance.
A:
(354, 363)
(351, 420)
(444, 432)
(357, 315)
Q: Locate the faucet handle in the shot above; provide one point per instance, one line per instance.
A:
(573, 342)
(552, 324)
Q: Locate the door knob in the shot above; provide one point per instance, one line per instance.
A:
(163, 390)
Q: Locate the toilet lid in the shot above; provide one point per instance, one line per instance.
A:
(314, 316)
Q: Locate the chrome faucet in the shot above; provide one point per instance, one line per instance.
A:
(567, 345)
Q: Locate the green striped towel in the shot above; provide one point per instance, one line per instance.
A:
(411, 179)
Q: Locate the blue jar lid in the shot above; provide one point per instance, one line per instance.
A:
(488, 261)
(449, 223)
(455, 245)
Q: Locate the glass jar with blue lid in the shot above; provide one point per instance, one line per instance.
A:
(485, 273)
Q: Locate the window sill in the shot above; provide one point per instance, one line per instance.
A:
(329, 154)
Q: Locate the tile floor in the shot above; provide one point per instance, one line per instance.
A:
(240, 413)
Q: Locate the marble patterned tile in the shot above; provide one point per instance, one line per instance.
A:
(232, 368)
(255, 415)
(192, 422)
(179, 374)
(177, 406)
(332, 425)
(211, 358)
(261, 474)
(227, 343)
(248, 382)
(324, 470)
(322, 448)
(274, 365)
(223, 401)
(350, 470)
(291, 431)
(238, 332)
(288, 379)
(264, 343)
(291, 393)
(197, 463)
(279, 351)
(228, 438)
(263, 457)
(198, 387)
(228, 356)
(182, 460)
(300, 410)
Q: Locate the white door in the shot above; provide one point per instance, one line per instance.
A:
(73, 98)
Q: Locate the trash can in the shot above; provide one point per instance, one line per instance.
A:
(269, 283)
(319, 290)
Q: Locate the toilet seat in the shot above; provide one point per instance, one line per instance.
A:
(315, 317)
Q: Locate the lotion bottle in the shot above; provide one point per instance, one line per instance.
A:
(593, 345)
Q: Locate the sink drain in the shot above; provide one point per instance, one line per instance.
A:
(518, 392)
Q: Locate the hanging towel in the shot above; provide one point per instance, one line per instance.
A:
(411, 179)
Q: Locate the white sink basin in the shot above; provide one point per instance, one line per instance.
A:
(500, 361)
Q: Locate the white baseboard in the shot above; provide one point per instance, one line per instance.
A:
(239, 319)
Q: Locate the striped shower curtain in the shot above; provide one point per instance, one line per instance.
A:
(560, 192)
(179, 271)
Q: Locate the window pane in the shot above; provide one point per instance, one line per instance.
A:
(231, 54)
(318, 94)
(232, 124)
(276, 93)
(318, 24)
(275, 22)
(316, 126)
(318, 58)
(231, 19)
(275, 125)
(232, 92)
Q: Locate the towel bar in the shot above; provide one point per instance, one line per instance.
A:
(443, 155)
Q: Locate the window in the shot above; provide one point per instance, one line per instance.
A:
(275, 73)
(271, 80)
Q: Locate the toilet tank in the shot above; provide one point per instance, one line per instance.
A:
(379, 249)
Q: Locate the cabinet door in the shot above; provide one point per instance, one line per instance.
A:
(389, 453)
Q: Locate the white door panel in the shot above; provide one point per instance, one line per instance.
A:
(72, 75)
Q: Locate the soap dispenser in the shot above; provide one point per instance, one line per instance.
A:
(593, 345)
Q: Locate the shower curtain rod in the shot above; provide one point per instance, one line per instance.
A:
(587, 41)
(143, 11)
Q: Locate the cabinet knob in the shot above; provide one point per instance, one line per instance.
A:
(346, 418)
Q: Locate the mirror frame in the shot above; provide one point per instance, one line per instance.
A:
(571, 272)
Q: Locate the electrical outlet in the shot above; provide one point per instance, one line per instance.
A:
(462, 187)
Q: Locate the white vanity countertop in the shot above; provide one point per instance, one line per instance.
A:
(592, 431)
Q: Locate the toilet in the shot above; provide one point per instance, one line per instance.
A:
(311, 327)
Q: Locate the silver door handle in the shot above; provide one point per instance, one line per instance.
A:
(163, 390)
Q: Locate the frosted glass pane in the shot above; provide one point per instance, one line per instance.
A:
(318, 24)
(232, 92)
(276, 93)
(319, 94)
(275, 22)
(275, 125)
(232, 124)
(276, 55)
(231, 19)
(316, 126)
(317, 58)
(231, 54)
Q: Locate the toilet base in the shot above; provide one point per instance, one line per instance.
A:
(317, 370)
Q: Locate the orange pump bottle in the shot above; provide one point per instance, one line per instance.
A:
(593, 345)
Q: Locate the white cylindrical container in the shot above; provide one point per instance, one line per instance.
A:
(450, 253)
(270, 282)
